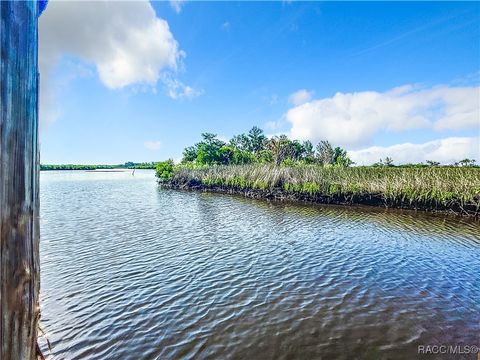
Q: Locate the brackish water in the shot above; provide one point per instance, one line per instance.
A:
(129, 271)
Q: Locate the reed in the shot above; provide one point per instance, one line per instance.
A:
(439, 187)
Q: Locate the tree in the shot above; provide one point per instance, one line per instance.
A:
(208, 151)
(325, 153)
(308, 152)
(256, 147)
(432, 163)
(466, 162)
(340, 157)
(211, 140)
(241, 157)
(208, 154)
(280, 147)
(256, 139)
(240, 142)
(297, 151)
(189, 154)
(225, 155)
(388, 161)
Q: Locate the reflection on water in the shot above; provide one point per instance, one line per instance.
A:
(133, 272)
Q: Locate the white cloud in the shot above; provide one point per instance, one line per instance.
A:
(177, 5)
(124, 40)
(152, 145)
(300, 97)
(352, 119)
(445, 151)
(177, 90)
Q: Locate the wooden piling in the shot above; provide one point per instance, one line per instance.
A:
(19, 175)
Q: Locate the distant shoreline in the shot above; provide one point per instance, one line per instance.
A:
(108, 171)
(126, 166)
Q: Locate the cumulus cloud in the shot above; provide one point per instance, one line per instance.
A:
(152, 145)
(300, 97)
(445, 151)
(352, 119)
(123, 40)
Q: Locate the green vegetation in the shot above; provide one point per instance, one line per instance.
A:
(406, 186)
(75, 167)
(164, 170)
(255, 147)
(127, 165)
(279, 167)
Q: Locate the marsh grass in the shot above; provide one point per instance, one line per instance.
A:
(445, 186)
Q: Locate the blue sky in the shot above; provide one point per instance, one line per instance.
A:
(140, 81)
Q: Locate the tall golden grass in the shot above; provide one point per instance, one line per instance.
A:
(439, 185)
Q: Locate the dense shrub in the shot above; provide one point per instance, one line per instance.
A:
(164, 170)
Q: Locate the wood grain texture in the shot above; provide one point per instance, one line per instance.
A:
(19, 174)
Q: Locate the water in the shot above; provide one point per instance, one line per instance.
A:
(133, 272)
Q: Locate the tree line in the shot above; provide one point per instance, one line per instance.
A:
(255, 147)
(127, 165)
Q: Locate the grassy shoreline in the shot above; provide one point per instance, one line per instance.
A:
(438, 189)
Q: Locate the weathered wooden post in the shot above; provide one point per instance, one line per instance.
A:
(19, 173)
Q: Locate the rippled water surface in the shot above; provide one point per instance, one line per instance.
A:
(130, 271)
